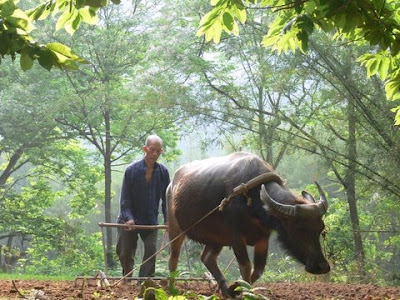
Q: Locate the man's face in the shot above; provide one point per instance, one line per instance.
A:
(153, 151)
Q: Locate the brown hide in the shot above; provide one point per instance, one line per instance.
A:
(199, 187)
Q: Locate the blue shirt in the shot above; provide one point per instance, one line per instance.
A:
(140, 200)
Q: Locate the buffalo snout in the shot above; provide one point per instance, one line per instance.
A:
(318, 267)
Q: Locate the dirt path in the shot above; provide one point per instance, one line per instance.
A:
(287, 291)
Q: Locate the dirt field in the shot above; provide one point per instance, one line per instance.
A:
(32, 289)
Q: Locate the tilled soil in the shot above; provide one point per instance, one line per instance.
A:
(91, 289)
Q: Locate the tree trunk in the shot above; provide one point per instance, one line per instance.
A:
(107, 187)
(2, 266)
(350, 186)
(10, 167)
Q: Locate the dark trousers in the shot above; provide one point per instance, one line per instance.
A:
(126, 250)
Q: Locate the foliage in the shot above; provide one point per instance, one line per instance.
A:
(256, 100)
(247, 292)
(116, 100)
(67, 251)
(153, 291)
(17, 25)
(374, 22)
(53, 244)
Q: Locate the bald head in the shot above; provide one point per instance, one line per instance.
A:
(151, 139)
(152, 149)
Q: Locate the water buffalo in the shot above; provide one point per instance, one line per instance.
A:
(246, 219)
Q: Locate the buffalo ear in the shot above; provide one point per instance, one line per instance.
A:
(308, 196)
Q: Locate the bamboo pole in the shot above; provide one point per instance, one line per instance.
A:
(148, 227)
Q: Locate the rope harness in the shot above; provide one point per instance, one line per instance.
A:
(242, 189)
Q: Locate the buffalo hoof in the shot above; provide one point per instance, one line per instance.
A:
(232, 292)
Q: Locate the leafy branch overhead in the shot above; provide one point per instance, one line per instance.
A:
(17, 25)
(373, 22)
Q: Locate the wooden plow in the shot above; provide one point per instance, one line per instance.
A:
(106, 281)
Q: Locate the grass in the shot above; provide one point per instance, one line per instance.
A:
(15, 276)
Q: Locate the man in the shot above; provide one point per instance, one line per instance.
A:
(144, 184)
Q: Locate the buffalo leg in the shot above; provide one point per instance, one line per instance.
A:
(243, 260)
(175, 250)
(175, 234)
(260, 259)
(209, 259)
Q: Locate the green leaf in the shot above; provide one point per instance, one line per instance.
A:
(372, 68)
(59, 6)
(93, 11)
(4, 43)
(21, 20)
(244, 284)
(63, 56)
(69, 28)
(397, 117)
(80, 4)
(73, 23)
(378, 4)
(392, 88)
(216, 32)
(60, 48)
(240, 14)
(46, 59)
(209, 18)
(384, 68)
(87, 16)
(45, 13)
(64, 18)
(395, 48)
(304, 22)
(77, 22)
(7, 8)
(26, 62)
(37, 12)
(116, 1)
(96, 3)
(217, 2)
(228, 20)
(159, 294)
(298, 6)
(309, 7)
(235, 29)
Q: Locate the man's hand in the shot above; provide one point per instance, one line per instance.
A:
(130, 223)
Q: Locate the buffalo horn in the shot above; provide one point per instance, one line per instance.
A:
(263, 178)
(288, 210)
(322, 203)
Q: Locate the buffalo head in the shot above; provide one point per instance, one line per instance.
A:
(299, 228)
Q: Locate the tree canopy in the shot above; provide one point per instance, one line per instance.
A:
(373, 22)
(376, 22)
(17, 24)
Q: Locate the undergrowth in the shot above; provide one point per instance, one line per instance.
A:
(16, 276)
(242, 289)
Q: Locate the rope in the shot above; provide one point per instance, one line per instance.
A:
(241, 189)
